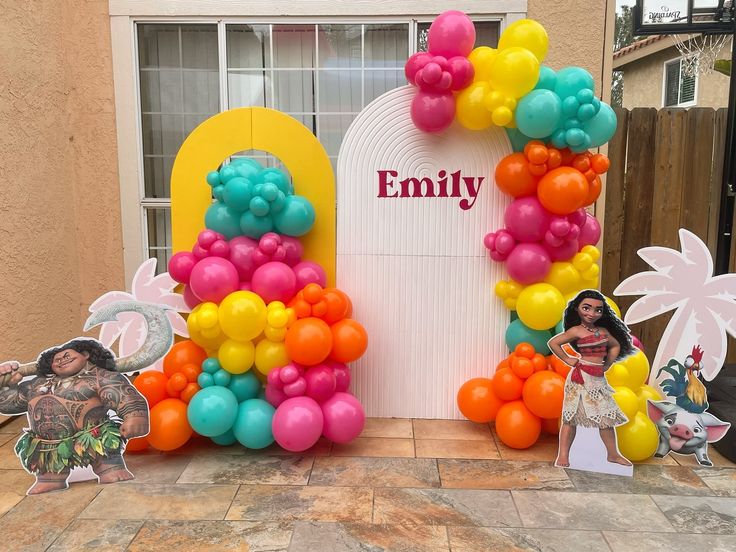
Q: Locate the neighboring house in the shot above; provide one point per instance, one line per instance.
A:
(653, 76)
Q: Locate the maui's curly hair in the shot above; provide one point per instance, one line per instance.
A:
(608, 320)
(99, 355)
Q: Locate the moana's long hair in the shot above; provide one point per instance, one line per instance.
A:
(99, 355)
(608, 320)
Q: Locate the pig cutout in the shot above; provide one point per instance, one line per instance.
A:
(685, 432)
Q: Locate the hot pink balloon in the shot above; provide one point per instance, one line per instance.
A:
(344, 417)
(342, 376)
(309, 272)
(590, 232)
(293, 249)
(321, 382)
(526, 219)
(275, 396)
(415, 63)
(462, 72)
(207, 237)
(297, 423)
(213, 279)
(637, 343)
(220, 248)
(274, 281)
(563, 252)
(181, 265)
(528, 263)
(451, 34)
(577, 217)
(241, 255)
(433, 112)
(189, 298)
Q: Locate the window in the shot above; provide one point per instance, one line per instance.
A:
(679, 89)
(320, 74)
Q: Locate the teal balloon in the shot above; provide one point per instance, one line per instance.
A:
(560, 327)
(218, 192)
(222, 219)
(574, 137)
(572, 80)
(237, 193)
(245, 386)
(245, 167)
(252, 426)
(259, 206)
(205, 380)
(513, 315)
(226, 439)
(296, 218)
(558, 139)
(262, 394)
(602, 127)
(517, 333)
(212, 411)
(547, 78)
(517, 139)
(276, 176)
(270, 191)
(211, 365)
(570, 106)
(221, 377)
(586, 112)
(539, 113)
(253, 226)
(213, 178)
(226, 173)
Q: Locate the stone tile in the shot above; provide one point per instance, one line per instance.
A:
(36, 521)
(375, 447)
(491, 539)
(671, 480)
(393, 428)
(668, 542)
(211, 536)
(689, 514)
(490, 474)
(596, 511)
(156, 468)
(375, 472)
(248, 470)
(276, 503)
(14, 424)
(721, 480)
(13, 487)
(8, 459)
(444, 507)
(544, 450)
(108, 535)
(666, 461)
(151, 501)
(451, 429)
(719, 461)
(323, 447)
(342, 537)
(445, 448)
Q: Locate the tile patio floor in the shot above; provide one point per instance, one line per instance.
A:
(408, 485)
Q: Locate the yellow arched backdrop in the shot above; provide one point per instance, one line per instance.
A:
(264, 129)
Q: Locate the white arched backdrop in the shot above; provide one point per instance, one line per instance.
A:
(415, 268)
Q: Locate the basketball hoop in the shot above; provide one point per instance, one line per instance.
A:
(699, 52)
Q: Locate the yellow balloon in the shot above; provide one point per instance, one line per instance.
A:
(275, 334)
(613, 306)
(270, 355)
(515, 72)
(540, 306)
(564, 277)
(481, 59)
(647, 392)
(528, 34)
(638, 439)
(627, 401)
(589, 284)
(207, 316)
(592, 251)
(502, 116)
(236, 356)
(470, 107)
(618, 376)
(209, 338)
(638, 367)
(242, 315)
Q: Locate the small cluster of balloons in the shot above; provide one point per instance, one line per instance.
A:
(251, 200)
(523, 397)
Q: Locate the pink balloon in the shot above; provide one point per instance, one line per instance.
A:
(296, 388)
(220, 248)
(577, 217)
(241, 255)
(288, 373)
(189, 298)
(414, 64)
(433, 112)
(637, 343)
(200, 252)
(344, 417)
(451, 34)
(563, 252)
(462, 72)
(297, 423)
(528, 263)
(274, 281)
(207, 237)
(213, 279)
(321, 382)
(342, 376)
(590, 232)
(275, 396)
(308, 272)
(274, 378)
(245, 286)
(181, 265)
(526, 219)
(293, 249)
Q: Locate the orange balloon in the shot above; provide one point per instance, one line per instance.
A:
(477, 402)
(302, 309)
(536, 152)
(513, 176)
(507, 386)
(191, 372)
(600, 163)
(308, 341)
(505, 362)
(137, 444)
(312, 293)
(516, 426)
(349, 340)
(152, 385)
(543, 393)
(338, 305)
(540, 363)
(525, 350)
(551, 425)
(170, 428)
(188, 392)
(595, 187)
(522, 367)
(184, 352)
(563, 190)
(559, 366)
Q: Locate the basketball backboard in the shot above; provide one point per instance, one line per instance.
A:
(683, 16)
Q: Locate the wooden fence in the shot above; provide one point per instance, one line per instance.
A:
(665, 174)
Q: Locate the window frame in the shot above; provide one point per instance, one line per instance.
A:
(691, 103)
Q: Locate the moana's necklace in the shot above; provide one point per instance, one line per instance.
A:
(595, 331)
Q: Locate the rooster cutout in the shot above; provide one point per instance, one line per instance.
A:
(685, 385)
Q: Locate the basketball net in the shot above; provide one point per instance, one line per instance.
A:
(699, 52)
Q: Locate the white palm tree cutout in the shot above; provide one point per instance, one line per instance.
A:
(705, 304)
(131, 327)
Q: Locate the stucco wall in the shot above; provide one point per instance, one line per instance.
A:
(60, 239)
